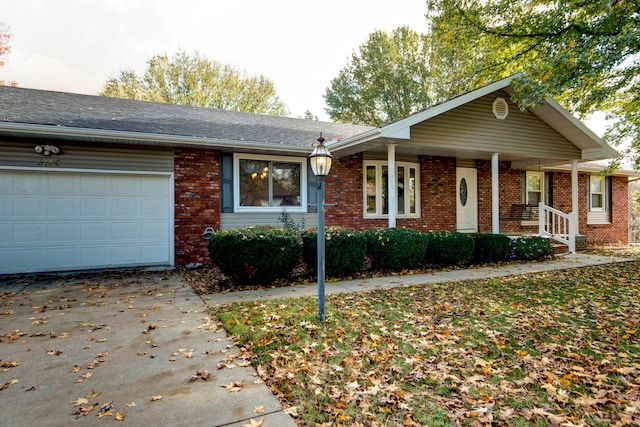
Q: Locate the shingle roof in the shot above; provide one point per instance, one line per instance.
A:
(60, 109)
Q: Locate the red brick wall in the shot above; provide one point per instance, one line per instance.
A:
(437, 195)
(438, 204)
(197, 202)
(618, 230)
(438, 192)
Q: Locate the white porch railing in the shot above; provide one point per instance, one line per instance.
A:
(558, 226)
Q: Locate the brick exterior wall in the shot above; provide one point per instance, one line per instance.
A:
(618, 230)
(197, 202)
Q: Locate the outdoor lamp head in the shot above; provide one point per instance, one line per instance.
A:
(320, 159)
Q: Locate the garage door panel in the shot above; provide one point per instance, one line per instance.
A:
(61, 185)
(62, 207)
(29, 233)
(61, 233)
(5, 206)
(123, 231)
(64, 221)
(32, 207)
(151, 253)
(153, 230)
(154, 188)
(62, 257)
(125, 207)
(94, 207)
(155, 208)
(26, 183)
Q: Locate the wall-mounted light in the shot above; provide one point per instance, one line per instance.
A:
(47, 150)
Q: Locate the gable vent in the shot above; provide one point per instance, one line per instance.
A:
(500, 108)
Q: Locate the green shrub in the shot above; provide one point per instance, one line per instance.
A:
(449, 247)
(490, 247)
(259, 254)
(345, 249)
(530, 248)
(396, 248)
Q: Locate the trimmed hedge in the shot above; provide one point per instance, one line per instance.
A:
(396, 248)
(259, 254)
(345, 249)
(449, 247)
(490, 247)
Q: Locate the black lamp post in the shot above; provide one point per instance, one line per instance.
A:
(320, 159)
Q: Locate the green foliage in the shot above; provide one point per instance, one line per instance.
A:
(197, 81)
(490, 247)
(530, 248)
(396, 248)
(345, 249)
(259, 254)
(386, 80)
(449, 247)
(288, 222)
(583, 54)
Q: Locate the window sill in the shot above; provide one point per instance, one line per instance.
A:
(387, 217)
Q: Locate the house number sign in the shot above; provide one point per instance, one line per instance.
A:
(49, 162)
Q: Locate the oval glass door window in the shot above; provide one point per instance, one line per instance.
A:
(463, 192)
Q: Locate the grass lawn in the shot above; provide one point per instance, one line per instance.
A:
(559, 348)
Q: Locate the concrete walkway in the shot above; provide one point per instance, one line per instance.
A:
(140, 346)
(559, 263)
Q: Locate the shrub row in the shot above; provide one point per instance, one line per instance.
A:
(263, 254)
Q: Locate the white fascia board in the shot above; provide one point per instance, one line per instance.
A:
(601, 153)
(146, 138)
(336, 145)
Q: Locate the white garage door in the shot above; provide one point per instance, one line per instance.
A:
(67, 221)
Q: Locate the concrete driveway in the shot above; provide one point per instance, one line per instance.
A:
(135, 347)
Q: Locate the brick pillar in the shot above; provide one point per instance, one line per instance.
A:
(197, 202)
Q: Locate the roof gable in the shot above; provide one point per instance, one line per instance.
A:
(586, 144)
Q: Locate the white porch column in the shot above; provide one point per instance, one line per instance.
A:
(392, 203)
(495, 194)
(574, 186)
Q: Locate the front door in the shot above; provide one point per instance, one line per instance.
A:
(466, 196)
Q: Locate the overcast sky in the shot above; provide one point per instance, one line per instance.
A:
(300, 45)
(76, 45)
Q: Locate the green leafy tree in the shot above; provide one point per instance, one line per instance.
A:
(197, 81)
(583, 53)
(387, 79)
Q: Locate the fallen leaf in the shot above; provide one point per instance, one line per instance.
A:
(8, 383)
(155, 398)
(254, 423)
(80, 401)
(200, 375)
(259, 409)
(93, 394)
(233, 386)
(52, 351)
(132, 404)
(119, 416)
(292, 412)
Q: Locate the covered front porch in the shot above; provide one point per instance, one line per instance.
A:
(499, 151)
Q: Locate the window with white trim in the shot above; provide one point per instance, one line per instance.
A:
(597, 195)
(534, 192)
(270, 183)
(376, 189)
